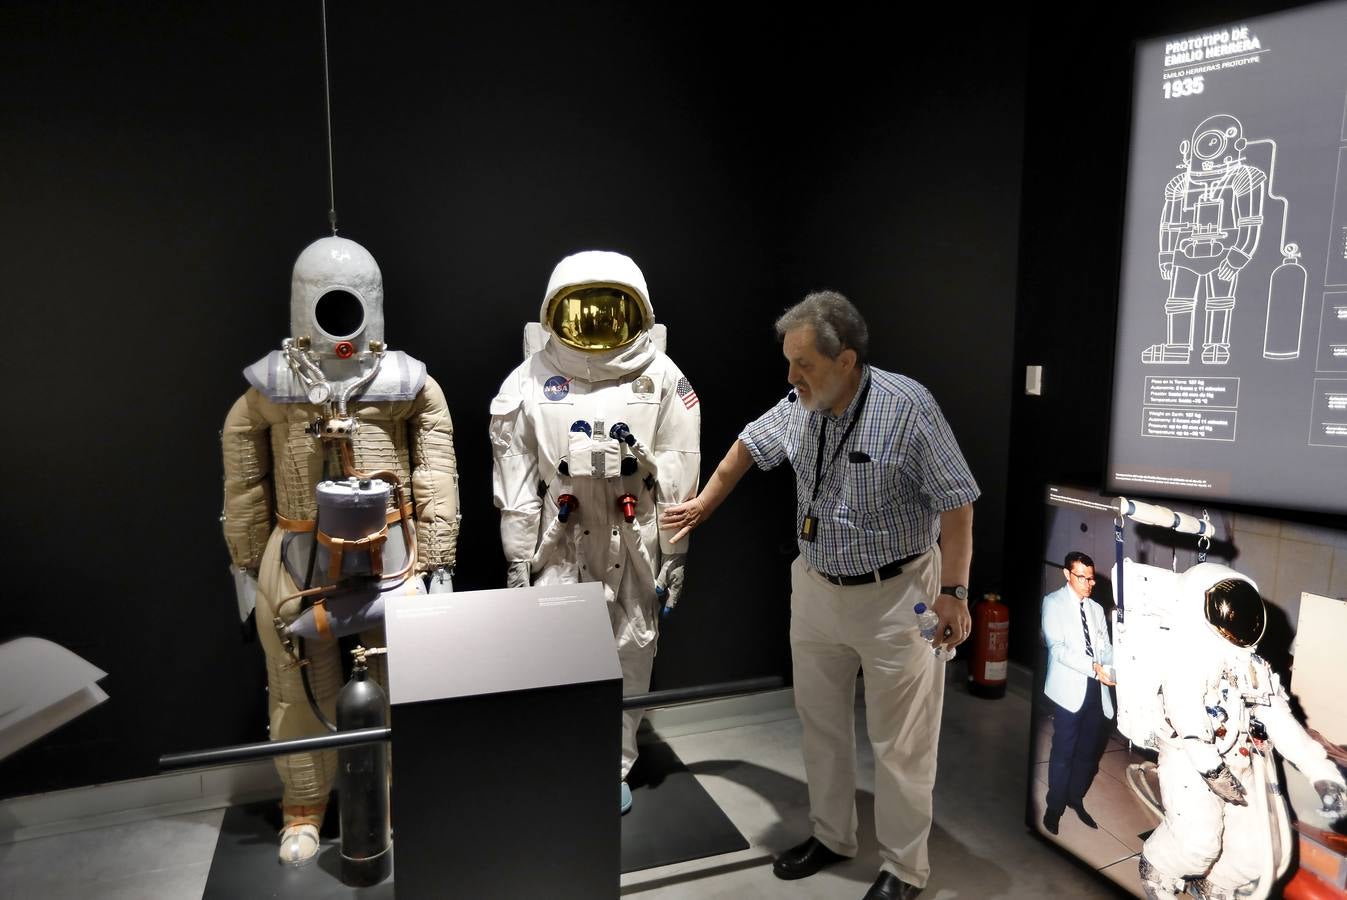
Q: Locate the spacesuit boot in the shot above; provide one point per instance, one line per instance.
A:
(1216, 354)
(1204, 889)
(1216, 348)
(1179, 325)
(299, 834)
(1162, 354)
(1157, 885)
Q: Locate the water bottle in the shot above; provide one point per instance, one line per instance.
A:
(927, 621)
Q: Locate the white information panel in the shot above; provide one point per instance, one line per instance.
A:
(471, 643)
(1230, 379)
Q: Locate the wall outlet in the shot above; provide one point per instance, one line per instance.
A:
(1033, 380)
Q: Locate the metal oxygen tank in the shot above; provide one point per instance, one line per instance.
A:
(1285, 307)
(362, 782)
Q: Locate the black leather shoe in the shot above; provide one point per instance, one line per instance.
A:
(890, 887)
(1086, 819)
(804, 860)
(1051, 820)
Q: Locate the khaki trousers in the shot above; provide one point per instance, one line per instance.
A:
(834, 632)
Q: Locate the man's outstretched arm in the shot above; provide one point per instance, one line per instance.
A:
(691, 513)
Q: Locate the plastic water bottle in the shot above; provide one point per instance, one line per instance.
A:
(927, 621)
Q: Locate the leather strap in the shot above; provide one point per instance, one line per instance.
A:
(321, 620)
(297, 813)
(300, 525)
(339, 547)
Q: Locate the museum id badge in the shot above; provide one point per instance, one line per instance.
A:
(809, 528)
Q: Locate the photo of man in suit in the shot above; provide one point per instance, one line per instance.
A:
(1080, 668)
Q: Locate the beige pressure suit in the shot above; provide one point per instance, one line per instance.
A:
(273, 463)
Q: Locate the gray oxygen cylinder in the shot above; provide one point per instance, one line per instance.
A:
(362, 782)
(1285, 307)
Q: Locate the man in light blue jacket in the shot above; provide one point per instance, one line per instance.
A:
(1080, 667)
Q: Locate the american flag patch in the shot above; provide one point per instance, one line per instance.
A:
(687, 393)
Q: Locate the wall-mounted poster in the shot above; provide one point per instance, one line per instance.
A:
(1230, 376)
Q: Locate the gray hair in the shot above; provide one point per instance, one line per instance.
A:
(837, 324)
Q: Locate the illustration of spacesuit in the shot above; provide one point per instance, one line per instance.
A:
(1209, 230)
(594, 434)
(336, 414)
(1218, 714)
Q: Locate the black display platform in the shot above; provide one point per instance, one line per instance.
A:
(672, 819)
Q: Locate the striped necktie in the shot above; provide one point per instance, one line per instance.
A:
(1085, 625)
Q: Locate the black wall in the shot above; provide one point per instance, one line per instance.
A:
(167, 163)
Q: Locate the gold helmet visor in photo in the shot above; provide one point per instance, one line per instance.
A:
(1235, 609)
(596, 317)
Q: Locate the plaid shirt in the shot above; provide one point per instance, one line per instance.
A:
(881, 497)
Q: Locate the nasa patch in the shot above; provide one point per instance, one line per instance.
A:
(556, 387)
(644, 386)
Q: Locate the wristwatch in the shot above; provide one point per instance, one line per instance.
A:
(956, 590)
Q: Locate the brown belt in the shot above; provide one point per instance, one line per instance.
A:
(301, 525)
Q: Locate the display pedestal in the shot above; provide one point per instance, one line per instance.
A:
(672, 820)
(506, 715)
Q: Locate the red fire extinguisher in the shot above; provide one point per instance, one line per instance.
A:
(990, 648)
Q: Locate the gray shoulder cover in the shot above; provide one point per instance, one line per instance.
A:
(400, 377)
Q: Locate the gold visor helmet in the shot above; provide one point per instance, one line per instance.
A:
(596, 317)
(1234, 608)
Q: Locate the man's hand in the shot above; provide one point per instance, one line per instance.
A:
(954, 623)
(1102, 674)
(685, 517)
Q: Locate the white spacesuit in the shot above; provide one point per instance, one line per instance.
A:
(594, 434)
(1209, 230)
(1218, 713)
(332, 402)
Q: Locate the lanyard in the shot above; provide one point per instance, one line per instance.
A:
(823, 438)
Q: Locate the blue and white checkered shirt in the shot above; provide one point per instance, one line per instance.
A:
(880, 499)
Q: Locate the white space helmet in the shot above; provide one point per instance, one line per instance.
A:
(336, 298)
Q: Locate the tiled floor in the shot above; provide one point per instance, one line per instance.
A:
(1122, 818)
(980, 845)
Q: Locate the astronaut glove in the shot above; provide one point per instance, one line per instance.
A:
(1333, 796)
(245, 589)
(519, 574)
(1167, 265)
(669, 584)
(1225, 785)
(441, 581)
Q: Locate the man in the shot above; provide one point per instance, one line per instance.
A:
(1080, 661)
(879, 479)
